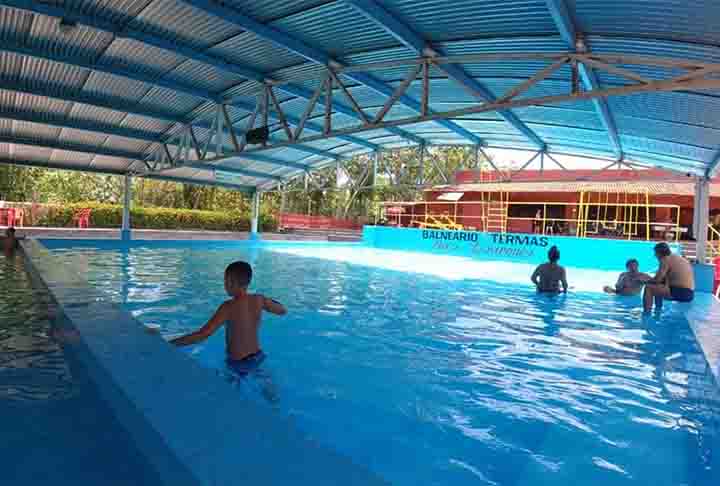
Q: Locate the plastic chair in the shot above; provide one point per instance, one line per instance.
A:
(82, 218)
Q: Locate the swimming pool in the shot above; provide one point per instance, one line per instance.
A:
(426, 375)
(55, 428)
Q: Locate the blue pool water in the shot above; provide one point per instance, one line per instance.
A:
(55, 428)
(439, 370)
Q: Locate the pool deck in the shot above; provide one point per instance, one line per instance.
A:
(146, 234)
(192, 425)
(703, 316)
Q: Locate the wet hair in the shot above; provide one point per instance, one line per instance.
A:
(239, 273)
(630, 262)
(663, 249)
(554, 254)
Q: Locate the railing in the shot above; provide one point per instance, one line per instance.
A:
(713, 242)
(302, 221)
(614, 220)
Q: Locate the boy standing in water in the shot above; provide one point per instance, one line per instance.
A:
(548, 276)
(241, 316)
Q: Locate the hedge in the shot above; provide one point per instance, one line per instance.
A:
(110, 216)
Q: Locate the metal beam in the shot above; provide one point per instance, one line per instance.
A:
(114, 71)
(136, 157)
(232, 170)
(656, 86)
(713, 166)
(92, 127)
(264, 159)
(173, 47)
(72, 147)
(411, 39)
(289, 42)
(565, 25)
(118, 105)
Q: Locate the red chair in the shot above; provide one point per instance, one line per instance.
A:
(82, 218)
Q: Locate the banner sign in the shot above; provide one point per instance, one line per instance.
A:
(601, 254)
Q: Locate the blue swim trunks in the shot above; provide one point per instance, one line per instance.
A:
(246, 365)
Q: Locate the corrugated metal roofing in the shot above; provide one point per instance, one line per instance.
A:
(200, 57)
(615, 187)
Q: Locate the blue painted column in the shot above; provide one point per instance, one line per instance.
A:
(125, 229)
(255, 216)
(702, 209)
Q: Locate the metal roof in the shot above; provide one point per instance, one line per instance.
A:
(101, 85)
(617, 187)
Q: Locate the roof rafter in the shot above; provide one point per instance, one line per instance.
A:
(126, 154)
(245, 71)
(565, 25)
(145, 79)
(405, 34)
(714, 166)
(313, 54)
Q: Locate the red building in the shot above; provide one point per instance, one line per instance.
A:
(641, 204)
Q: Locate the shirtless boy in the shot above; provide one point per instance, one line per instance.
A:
(241, 316)
(675, 280)
(630, 282)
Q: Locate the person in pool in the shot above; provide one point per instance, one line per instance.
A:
(548, 276)
(241, 316)
(675, 280)
(630, 282)
(10, 242)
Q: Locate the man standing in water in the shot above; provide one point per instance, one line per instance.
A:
(675, 280)
(548, 276)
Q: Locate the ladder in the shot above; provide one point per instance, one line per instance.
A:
(497, 215)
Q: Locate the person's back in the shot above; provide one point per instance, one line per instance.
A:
(680, 273)
(549, 276)
(242, 326)
(241, 317)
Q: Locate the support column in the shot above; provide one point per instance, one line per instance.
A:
(255, 216)
(125, 229)
(340, 195)
(421, 166)
(702, 207)
(375, 163)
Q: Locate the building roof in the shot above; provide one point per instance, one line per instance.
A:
(649, 181)
(618, 187)
(100, 85)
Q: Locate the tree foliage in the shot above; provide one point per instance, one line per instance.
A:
(354, 188)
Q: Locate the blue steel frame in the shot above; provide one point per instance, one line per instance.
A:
(414, 41)
(313, 54)
(370, 8)
(564, 22)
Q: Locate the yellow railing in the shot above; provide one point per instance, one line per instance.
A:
(713, 242)
(613, 219)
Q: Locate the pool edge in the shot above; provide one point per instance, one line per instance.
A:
(173, 407)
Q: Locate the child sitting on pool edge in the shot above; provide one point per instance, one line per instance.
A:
(241, 316)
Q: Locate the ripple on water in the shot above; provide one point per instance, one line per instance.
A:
(432, 378)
